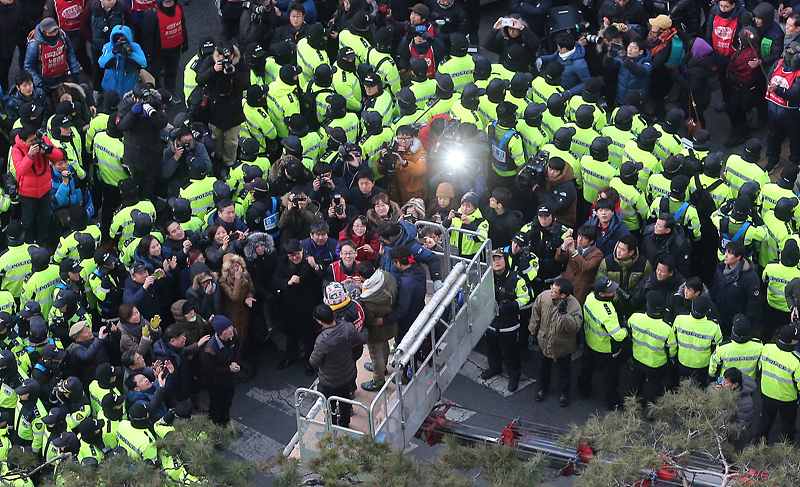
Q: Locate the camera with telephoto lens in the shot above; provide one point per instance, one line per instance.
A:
(392, 156)
(622, 294)
(148, 109)
(200, 240)
(122, 46)
(338, 207)
(256, 8)
(593, 38)
(227, 63)
(298, 199)
(534, 172)
(39, 141)
(12, 188)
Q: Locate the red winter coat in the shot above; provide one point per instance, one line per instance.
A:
(33, 173)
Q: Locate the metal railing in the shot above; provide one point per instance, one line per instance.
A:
(426, 360)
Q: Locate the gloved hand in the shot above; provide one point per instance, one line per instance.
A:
(137, 108)
(562, 306)
(155, 322)
(437, 284)
(146, 331)
(106, 283)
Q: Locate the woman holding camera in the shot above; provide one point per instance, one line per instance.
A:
(31, 154)
(121, 58)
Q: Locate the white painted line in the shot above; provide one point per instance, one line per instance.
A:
(477, 363)
(253, 445)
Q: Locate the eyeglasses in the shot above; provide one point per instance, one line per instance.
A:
(347, 254)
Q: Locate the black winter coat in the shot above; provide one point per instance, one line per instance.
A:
(674, 244)
(693, 77)
(12, 33)
(298, 300)
(143, 147)
(738, 293)
(225, 90)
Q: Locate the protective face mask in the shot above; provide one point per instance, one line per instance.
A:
(193, 319)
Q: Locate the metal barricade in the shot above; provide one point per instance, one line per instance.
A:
(429, 356)
(341, 429)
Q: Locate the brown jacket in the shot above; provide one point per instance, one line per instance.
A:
(233, 296)
(135, 341)
(566, 217)
(557, 333)
(377, 304)
(581, 271)
(195, 330)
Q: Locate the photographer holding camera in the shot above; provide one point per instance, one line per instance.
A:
(64, 193)
(226, 77)
(406, 161)
(181, 154)
(31, 154)
(122, 59)
(141, 122)
(339, 214)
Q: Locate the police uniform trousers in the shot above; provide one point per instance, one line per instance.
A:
(608, 367)
(770, 408)
(775, 319)
(504, 349)
(109, 199)
(648, 382)
(699, 374)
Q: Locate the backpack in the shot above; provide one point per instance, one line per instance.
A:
(199, 104)
(308, 105)
(703, 202)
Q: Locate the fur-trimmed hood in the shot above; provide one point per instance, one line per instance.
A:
(199, 271)
(227, 262)
(254, 240)
(276, 171)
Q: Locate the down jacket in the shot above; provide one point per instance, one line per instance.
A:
(333, 356)
(557, 333)
(576, 70)
(33, 173)
(634, 74)
(121, 71)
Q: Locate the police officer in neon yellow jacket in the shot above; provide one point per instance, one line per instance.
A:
(742, 351)
(502, 337)
(653, 346)
(697, 337)
(282, 98)
(604, 336)
(780, 383)
(776, 276)
(470, 219)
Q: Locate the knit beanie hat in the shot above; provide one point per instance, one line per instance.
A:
(445, 190)
(220, 324)
(335, 294)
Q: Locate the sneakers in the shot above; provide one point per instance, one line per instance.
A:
(368, 366)
(371, 386)
(489, 373)
(513, 384)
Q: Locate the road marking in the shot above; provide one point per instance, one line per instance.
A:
(477, 363)
(254, 446)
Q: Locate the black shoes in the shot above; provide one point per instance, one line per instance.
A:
(489, 373)
(563, 401)
(310, 371)
(513, 384)
(539, 397)
(285, 363)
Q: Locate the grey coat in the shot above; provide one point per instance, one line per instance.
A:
(746, 408)
(333, 356)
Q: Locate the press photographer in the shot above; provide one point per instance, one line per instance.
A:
(226, 77)
(459, 158)
(141, 122)
(122, 59)
(182, 152)
(31, 154)
(258, 22)
(406, 162)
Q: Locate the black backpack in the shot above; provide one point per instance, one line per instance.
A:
(703, 202)
(308, 106)
(199, 104)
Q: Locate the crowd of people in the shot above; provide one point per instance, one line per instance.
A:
(147, 257)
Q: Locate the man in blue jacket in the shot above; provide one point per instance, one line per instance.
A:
(571, 55)
(411, 290)
(121, 58)
(393, 234)
(49, 57)
(146, 292)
